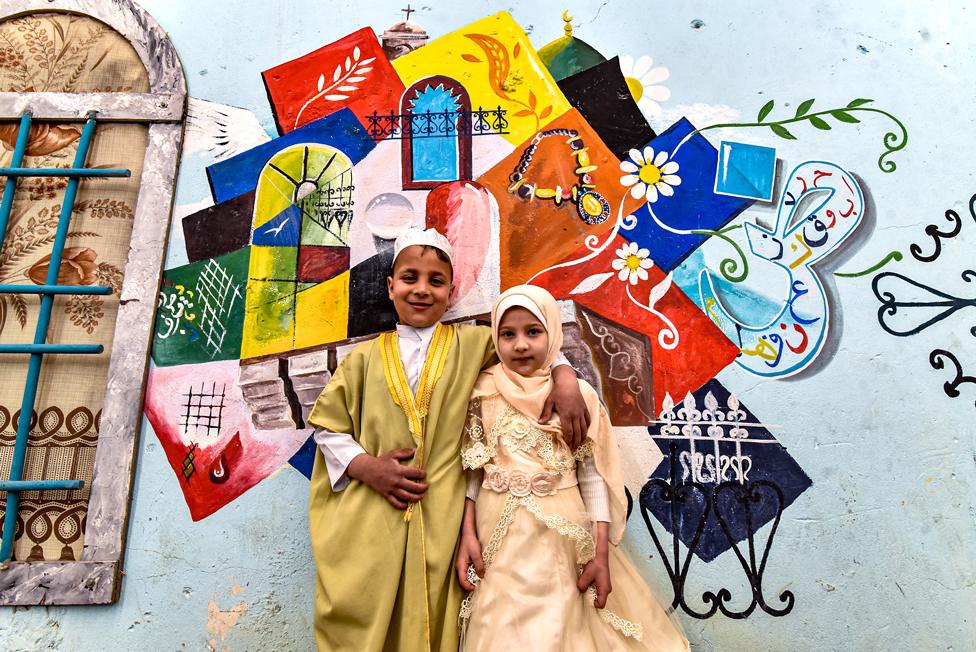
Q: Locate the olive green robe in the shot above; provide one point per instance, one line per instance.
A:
(383, 583)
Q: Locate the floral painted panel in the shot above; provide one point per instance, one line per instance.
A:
(64, 53)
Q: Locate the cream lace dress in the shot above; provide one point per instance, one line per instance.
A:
(535, 535)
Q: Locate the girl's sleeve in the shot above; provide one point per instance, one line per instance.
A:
(475, 478)
(474, 451)
(593, 489)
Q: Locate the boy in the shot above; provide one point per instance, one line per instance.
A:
(387, 492)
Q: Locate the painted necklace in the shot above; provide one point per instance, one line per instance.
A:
(593, 208)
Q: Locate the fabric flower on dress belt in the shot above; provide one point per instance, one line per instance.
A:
(519, 484)
(543, 484)
(495, 478)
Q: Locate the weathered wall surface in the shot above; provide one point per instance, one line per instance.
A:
(856, 387)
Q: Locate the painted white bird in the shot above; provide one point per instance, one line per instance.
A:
(277, 230)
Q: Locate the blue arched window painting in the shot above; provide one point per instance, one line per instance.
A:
(438, 147)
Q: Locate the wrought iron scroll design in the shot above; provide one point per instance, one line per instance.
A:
(435, 124)
(886, 284)
(746, 494)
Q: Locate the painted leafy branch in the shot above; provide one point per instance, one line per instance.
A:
(893, 141)
(345, 78)
(499, 75)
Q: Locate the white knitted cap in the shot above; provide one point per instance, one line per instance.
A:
(423, 237)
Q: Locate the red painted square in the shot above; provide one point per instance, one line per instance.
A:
(317, 264)
(352, 72)
(702, 350)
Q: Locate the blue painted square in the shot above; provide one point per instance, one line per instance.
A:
(239, 174)
(694, 205)
(745, 171)
(757, 455)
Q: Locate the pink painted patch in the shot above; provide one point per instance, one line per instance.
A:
(461, 210)
(205, 428)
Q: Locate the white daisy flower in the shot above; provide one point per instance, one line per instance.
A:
(642, 80)
(632, 263)
(647, 174)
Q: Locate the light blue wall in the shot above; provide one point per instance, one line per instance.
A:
(879, 552)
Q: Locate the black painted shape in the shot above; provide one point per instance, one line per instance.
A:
(219, 229)
(937, 359)
(370, 308)
(745, 497)
(938, 234)
(890, 304)
(602, 97)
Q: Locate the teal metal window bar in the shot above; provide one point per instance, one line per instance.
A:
(39, 347)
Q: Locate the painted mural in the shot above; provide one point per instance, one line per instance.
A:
(540, 166)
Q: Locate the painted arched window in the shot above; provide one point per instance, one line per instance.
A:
(298, 293)
(83, 85)
(436, 133)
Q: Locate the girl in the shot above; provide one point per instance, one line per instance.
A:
(542, 523)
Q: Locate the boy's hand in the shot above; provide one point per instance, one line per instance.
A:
(567, 401)
(398, 483)
(469, 554)
(597, 573)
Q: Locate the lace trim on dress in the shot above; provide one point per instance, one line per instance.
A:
(584, 451)
(622, 625)
(585, 546)
(491, 548)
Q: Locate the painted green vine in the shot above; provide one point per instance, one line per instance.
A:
(893, 141)
(729, 266)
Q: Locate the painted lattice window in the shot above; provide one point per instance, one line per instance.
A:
(435, 115)
(78, 90)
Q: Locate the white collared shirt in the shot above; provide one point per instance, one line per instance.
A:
(338, 448)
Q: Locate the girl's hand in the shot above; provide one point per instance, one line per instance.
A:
(469, 554)
(567, 401)
(597, 573)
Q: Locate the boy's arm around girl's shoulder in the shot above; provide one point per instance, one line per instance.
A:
(478, 337)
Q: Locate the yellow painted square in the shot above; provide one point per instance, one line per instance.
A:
(323, 312)
(272, 263)
(269, 324)
(495, 62)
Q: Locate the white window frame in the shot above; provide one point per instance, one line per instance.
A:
(96, 578)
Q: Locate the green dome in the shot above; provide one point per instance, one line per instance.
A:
(568, 55)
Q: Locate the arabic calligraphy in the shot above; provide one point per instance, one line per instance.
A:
(821, 206)
(173, 309)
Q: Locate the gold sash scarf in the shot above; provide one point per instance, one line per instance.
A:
(415, 407)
